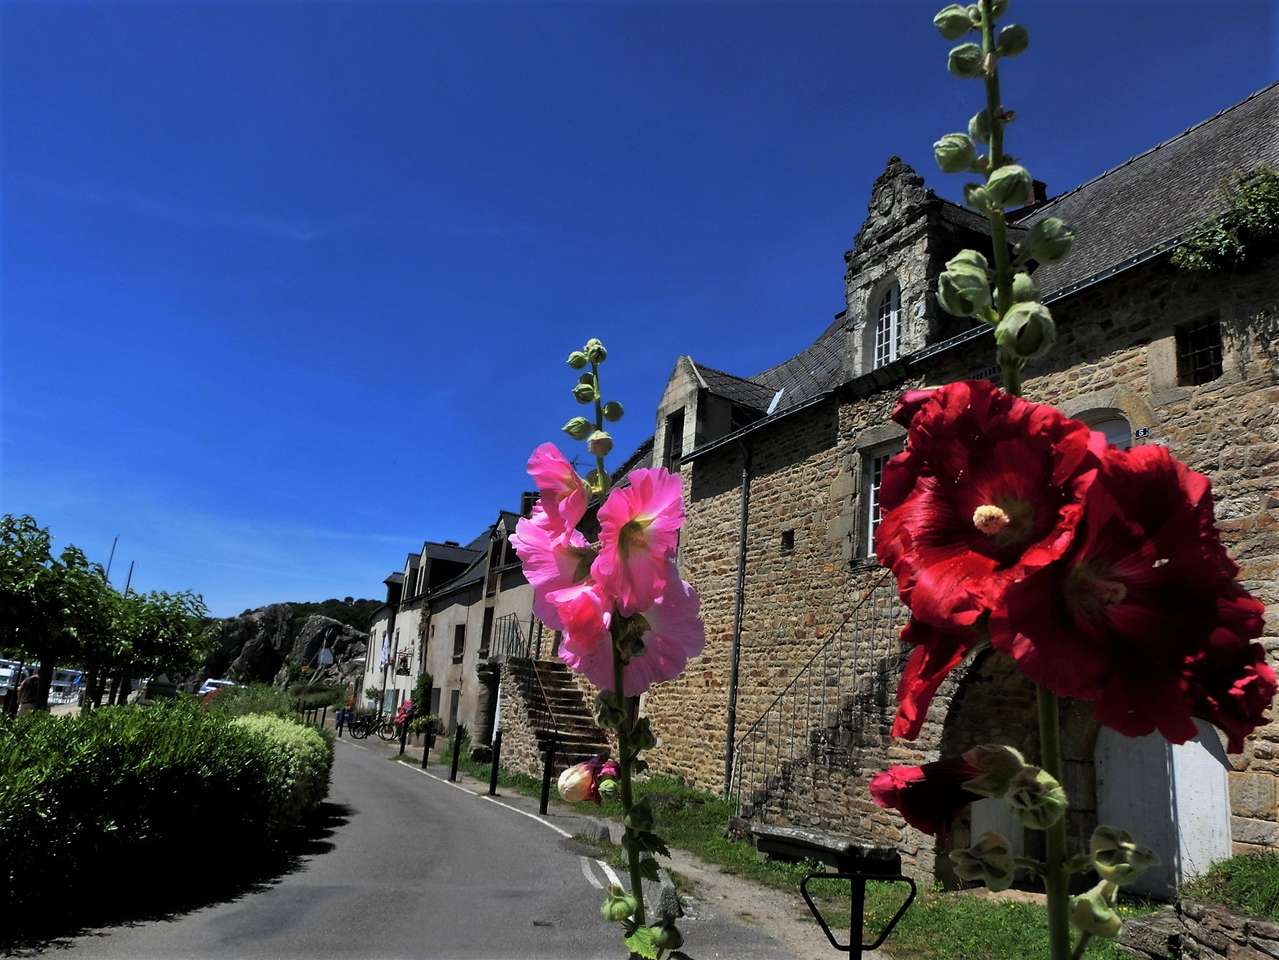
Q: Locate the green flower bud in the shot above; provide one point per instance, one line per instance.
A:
(640, 817)
(595, 351)
(998, 765)
(642, 736)
(618, 906)
(965, 61)
(1117, 857)
(954, 153)
(666, 936)
(1094, 912)
(979, 127)
(1027, 331)
(612, 410)
(584, 393)
(609, 788)
(1024, 288)
(1036, 798)
(952, 21)
(988, 861)
(608, 713)
(599, 443)
(579, 428)
(577, 360)
(976, 197)
(1010, 186)
(1013, 39)
(998, 8)
(974, 14)
(1048, 240)
(963, 289)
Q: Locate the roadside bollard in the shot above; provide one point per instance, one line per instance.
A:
(427, 744)
(339, 716)
(457, 749)
(324, 717)
(497, 755)
(404, 735)
(547, 767)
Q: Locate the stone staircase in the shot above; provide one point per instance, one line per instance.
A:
(563, 713)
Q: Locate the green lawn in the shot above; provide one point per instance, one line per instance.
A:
(938, 926)
(1248, 883)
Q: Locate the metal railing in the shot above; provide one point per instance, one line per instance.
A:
(508, 639)
(819, 718)
(510, 643)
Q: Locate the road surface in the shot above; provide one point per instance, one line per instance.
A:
(416, 867)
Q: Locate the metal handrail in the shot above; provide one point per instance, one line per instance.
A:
(546, 702)
(510, 643)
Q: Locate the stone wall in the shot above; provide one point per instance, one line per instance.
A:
(520, 750)
(1200, 931)
(1116, 354)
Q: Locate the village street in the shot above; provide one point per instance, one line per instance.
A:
(417, 867)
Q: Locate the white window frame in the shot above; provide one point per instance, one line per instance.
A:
(886, 338)
(872, 479)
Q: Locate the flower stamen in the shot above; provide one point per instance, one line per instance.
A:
(990, 519)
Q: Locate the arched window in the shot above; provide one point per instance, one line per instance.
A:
(1111, 424)
(888, 330)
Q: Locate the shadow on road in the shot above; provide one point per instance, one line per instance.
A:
(131, 893)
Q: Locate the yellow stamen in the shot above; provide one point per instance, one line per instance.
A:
(990, 519)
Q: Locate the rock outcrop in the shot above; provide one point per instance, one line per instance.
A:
(265, 645)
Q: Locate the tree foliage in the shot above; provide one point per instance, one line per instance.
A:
(1248, 229)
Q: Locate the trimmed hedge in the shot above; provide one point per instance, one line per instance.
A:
(156, 794)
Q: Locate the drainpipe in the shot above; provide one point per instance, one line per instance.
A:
(738, 602)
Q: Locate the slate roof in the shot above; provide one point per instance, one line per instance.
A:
(447, 551)
(737, 389)
(1158, 195)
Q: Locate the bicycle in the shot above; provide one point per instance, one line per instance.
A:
(360, 727)
(387, 730)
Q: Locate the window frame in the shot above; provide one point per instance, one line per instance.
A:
(873, 459)
(673, 440)
(1189, 350)
(459, 642)
(887, 314)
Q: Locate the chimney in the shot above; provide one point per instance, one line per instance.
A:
(450, 543)
(1041, 192)
(527, 499)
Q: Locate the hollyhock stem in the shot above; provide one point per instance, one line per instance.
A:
(624, 749)
(1055, 881)
(599, 425)
(998, 231)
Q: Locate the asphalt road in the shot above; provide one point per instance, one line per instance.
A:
(416, 867)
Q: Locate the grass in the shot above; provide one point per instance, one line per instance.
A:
(1248, 883)
(939, 925)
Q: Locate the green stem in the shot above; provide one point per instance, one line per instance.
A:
(599, 425)
(624, 750)
(1081, 946)
(1055, 880)
(998, 228)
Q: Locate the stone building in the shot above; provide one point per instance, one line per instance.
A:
(790, 705)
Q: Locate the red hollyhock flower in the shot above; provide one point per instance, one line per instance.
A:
(1144, 615)
(937, 651)
(928, 797)
(987, 491)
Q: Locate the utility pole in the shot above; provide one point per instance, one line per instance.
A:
(130, 578)
(112, 557)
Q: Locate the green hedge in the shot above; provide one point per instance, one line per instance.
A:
(153, 794)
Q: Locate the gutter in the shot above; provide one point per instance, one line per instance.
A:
(739, 602)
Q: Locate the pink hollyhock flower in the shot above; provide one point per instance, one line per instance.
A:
(937, 651)
(639, 531)
(988, 490)
(675, 633)
(1143, 615)
(564, 496)
(552, 562)
(582, 781)
(928, 797)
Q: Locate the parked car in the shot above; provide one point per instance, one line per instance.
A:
(210, 685)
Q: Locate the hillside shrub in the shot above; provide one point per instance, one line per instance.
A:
(131, 799)
(254, 698)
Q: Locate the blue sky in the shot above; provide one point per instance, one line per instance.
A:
(287, 287)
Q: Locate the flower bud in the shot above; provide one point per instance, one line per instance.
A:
(608, 713)
(666, 936)
(988, 861)
(579, 428)
(1024, 288)
(1048, 240)
(619, 905)
(575, 784)
(577, 360)
(1027, 331)
(954, 153)
(595, 351)
(979, 126)
(613, 411)
(1117, 857)
(1094, 912)
(1013, 39)
(599, 443)
(952, 21)
(976, 197)
(1036, 798)
(640, 817)
(963, 289)
(998, 7)
(642, 736)
(998, 765)
(965, 60)
(584, 393)
(609, 788)
(1011, 186)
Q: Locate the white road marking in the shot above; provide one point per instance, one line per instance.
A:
(590, 877)
(531, 816)
(448, 783)
(609, 872)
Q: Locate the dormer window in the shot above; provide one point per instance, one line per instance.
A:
(888, 330)
(674, 451)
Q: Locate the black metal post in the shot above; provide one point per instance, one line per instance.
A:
(324, 717)
(857, 919)
(497, 756)
(339, 718)
(427, 743)
(404, 735)
(547, 767)
(457, 749)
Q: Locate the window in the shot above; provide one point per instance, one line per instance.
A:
(1116, 430)
(874, 478)
(459, 642)
(788, 540)
(1199, 352)
(674, 440)
(888, 331)
(486, 632)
